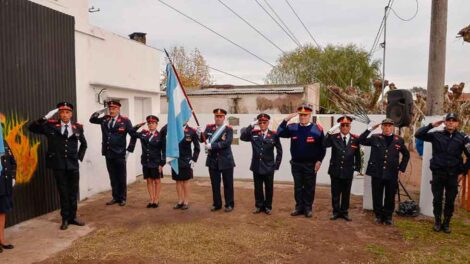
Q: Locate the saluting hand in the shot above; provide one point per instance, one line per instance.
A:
(374, 127)
(437, 123)
(289, 117)
(51, 113)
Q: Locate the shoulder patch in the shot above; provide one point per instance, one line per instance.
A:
(355, 135)
(274, 131)
(53, 121)
(123, 117)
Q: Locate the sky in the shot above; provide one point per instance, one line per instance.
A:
(337, 22)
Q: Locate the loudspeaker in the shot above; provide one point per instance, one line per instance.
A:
(400, 107)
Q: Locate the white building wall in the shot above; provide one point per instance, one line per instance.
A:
(126, 69)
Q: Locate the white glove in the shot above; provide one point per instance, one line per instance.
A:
(334, 128)
(373, 126)
(192, 163)
(51, 113)
(199, 131)
(208, 146)
(102, 110)
(254, 123)
(13, 182)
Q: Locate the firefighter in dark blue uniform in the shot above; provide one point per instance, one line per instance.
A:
(446, 165)
(345, 159)
(187, 159)
(263, 162)
(114, 129)
(307, 153)
(220, 160)
(7, 181)
(384, 166)
(152, 158)
(63, 154)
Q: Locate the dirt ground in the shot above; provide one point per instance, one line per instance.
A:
(135, 234)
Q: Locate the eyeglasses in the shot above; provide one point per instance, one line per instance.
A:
(262, 122)
(345, 125)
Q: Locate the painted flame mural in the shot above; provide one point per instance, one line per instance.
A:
(24, 149)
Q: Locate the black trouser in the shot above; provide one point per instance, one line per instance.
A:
(118, 178)
(227, 177)
(448, 181)
(262, 201)
(305, 179)
(67, 185)
(340, 193)
(384, 206)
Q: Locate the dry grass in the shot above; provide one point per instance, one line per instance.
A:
(183, 242)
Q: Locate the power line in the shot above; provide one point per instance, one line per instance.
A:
(218, 70)
(379, 33)
(218, 34)
(253, 27)
(407, 19)
(301, 22)
(280, 19)
(269, 14)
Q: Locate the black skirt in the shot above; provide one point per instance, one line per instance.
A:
(184, 175)
(6, 204)
(151, 173)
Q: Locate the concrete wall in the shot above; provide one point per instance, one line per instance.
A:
(249, 103)
(127, 70)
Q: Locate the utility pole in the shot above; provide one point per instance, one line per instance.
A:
(384, 46)
(437, 58)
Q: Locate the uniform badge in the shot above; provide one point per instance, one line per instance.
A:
(310, 140)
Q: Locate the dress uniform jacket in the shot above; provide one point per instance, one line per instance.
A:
(220, 155)
(153, 151)
(263, 160)
(345, 159)
(186, 152)
(8, 172)
(63, 152)
(446, 149)
(113, 143)
(384, 161)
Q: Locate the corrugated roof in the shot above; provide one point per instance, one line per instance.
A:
(247, 89)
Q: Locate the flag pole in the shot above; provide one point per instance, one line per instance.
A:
(182, 88)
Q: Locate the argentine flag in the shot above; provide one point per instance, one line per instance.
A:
(179, 113)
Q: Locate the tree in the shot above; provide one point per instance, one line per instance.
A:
(339, 66)
(192, 68)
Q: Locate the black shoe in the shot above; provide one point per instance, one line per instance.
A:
(308, 214)
(378, 220)
(215, 208)
(257, 210)
(388, 221)
(149, 205)
(334, 217)
(296, 212)
(437, 225)
(155, 205)
(9, 246)
(65, 225)
(122, 203)
(228, 209)
(268, 211)
(184, 207)
(77, 222)
(112, 202)
(1, 249)
(178, 206)
(446, 225)
(346, 217)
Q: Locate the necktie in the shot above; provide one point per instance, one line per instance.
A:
(66, 131)
(111, 124)
(151, 136)
(344, 141)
